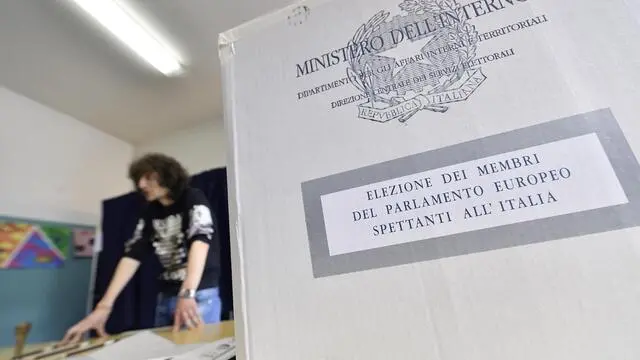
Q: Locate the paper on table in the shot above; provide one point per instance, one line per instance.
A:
(144, 345)
(223, 349)
(180, 349)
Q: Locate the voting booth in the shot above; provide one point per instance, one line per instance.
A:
(436, 179)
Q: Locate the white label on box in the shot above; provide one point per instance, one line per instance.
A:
(557, 178)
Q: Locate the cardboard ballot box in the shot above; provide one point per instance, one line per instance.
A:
(436, 179)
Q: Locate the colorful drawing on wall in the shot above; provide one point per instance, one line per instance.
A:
(83, 242)
(27, 246)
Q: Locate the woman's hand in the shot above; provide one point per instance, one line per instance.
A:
(95, 321)
(187, 314)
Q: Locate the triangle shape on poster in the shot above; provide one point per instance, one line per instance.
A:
(36, 253)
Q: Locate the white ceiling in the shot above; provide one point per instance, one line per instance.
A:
(51, 54)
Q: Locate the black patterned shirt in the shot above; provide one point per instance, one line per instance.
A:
(169, 231)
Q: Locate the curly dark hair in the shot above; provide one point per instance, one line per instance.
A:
(171, 174)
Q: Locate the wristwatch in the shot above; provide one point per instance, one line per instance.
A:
(187, 293)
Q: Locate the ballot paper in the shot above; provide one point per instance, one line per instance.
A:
(224, 349)
(141, 346)
(179, 349)
(149, 346)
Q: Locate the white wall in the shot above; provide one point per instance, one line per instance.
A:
(54, 166)
(198, 148)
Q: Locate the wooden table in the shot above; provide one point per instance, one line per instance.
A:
(208, 333)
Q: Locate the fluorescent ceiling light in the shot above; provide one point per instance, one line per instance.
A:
(119, 20)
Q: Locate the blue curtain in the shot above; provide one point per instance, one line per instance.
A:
(214, 185)
(134, 308)
(118, 221)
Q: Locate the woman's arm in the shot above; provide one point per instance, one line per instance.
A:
(195, 264)
(125, 270)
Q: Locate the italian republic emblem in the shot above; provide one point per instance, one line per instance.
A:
(423, 59)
